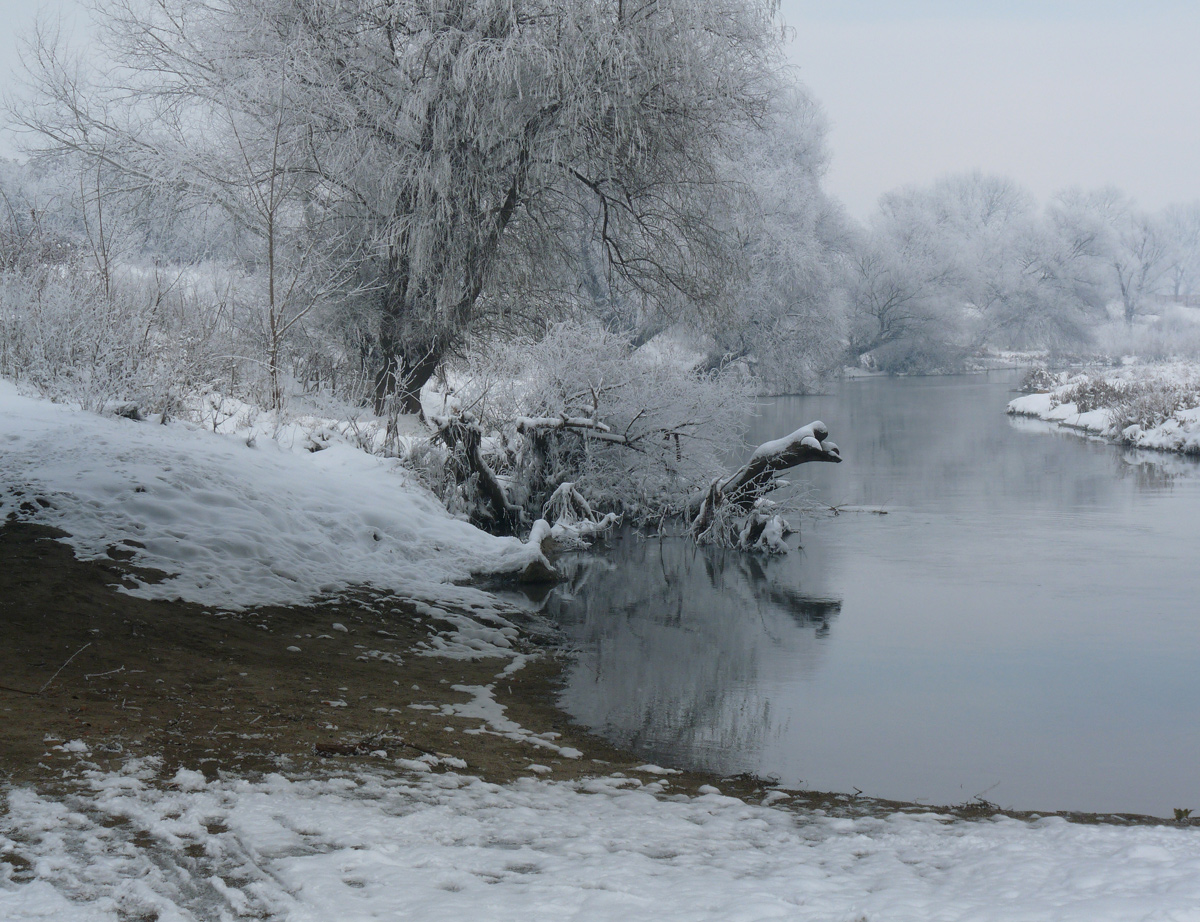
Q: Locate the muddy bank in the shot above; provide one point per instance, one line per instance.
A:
(293, 689)
(299, 690)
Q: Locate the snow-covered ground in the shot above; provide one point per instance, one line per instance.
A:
(447, 846)
(1151, 407)
(242, 519)
(235, 525)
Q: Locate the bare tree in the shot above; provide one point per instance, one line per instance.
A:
(453, 140)
(902, 276)
(1181, 224)
(786, 319)
(1128, 242)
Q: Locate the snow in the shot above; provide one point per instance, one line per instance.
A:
(484, 707)
(805, 435)
(237, 521)
(235, 524)
(1179, 432)
(443, 846)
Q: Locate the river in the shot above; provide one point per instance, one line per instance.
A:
(1020, 627)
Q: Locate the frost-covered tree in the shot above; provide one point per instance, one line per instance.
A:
(970, 262)
(461, 144)
(1130, 244)
(901, 285)
(1181, 224)
(1019, 277)
(785, 316)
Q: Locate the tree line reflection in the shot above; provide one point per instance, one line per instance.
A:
(676, 643)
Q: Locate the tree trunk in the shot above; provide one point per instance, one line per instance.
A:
(464, 435)
(757, 477)
(402, 373)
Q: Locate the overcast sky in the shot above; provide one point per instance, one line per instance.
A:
(1050, 92)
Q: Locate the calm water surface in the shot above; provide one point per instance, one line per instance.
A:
(1023, 625)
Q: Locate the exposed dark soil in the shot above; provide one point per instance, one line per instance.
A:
(222, 692)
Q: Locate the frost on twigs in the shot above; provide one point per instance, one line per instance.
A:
(579, 431)
(464, 437)
(575, 522)
(580, 428)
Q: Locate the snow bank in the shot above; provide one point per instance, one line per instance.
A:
(1151, 407)
(1067, 415)
(238, 521)
(448, 847)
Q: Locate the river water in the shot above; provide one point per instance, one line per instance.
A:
(1023, 625)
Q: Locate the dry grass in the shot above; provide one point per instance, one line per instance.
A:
(1145, 397)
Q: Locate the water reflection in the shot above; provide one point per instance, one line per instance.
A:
(679, 644)
(1025, 614)
(1150, 470)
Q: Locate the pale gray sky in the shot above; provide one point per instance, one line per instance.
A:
(18, 18)
(1050, 92)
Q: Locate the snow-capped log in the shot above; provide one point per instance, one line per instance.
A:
(745, 486)
(732, 510)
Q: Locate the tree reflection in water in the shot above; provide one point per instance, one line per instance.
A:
(676, 644)
(982, 627)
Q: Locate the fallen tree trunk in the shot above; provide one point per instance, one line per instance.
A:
(731, 510)
(758, 476)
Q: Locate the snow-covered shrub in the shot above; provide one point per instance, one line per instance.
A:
(1139, 396)
(1151, 401)
(101, 344)
(634, 434)
(161, 337)
(1091, 392)
(1039, 381)
(64, 337)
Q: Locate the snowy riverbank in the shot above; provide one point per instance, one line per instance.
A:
(235, 525)
(242, 519)
(369, 846)
(1141, 406)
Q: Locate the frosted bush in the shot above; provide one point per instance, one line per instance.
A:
(1145, 397)
(1092, 392)
(157, 338)
(62, 336)
(634, 433)
(1039, 381)
(1151, 402)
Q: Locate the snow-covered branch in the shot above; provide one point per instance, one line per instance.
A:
(757, 476)
(745, 489)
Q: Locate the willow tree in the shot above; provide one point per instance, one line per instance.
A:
(464, 145)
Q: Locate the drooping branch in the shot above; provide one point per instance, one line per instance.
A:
(759, 475)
